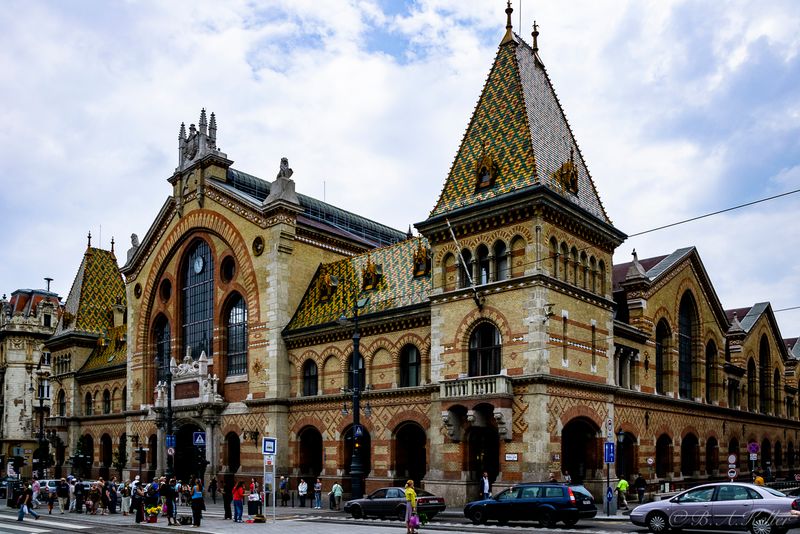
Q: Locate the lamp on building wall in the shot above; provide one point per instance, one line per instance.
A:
(621, 461)
(251, 435)
(356, 467)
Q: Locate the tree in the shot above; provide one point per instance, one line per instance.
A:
(120, 459)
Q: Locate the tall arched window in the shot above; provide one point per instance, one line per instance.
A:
(564, 251)
(362, 379)
(500, 261)
(62, 403)
(711, 362)
(576, 266)
(124, 398)
(198, 300)
(601, 277)
(752, 390)
(776, 392)
(484, 351)
(88, 404)
(464, 268)
(483, 265)
(162, 337)
(106, 401)
(554, 257)
(309, 378)
(592, 274)
(687, 325)
(449, 272)
(236, 334)
(662, 349)
(763, 375)
(409, 366)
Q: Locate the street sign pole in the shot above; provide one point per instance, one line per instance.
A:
(269, 448)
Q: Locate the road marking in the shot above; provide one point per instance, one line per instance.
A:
(45, 522)
(22, 528)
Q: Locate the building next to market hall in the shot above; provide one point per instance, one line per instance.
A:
(499, 338)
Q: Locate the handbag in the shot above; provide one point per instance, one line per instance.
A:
(413, 521)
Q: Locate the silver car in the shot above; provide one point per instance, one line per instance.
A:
(722, 506)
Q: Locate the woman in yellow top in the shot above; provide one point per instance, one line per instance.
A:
(411, 505)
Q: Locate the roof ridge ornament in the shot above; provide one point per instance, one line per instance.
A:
(535, 35)
(200, 141)
(509, 36)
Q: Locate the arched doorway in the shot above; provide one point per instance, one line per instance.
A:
(579, 449)
(410, 453)
(152, 456)
(310, 452)
(626, 456)
(187, 456)
(105, 455)
(233, 446)
(790, 460)
(483, 445)
(690, 452)
(712, 457)
(766, 457)
(663, 456)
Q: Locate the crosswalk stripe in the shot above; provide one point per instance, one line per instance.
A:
(47, 523)
(21, 528)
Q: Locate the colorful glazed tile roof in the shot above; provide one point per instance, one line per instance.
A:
(111, 350)
(397, 287)
(520, 124)
(97, 287)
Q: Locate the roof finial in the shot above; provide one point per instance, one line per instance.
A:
(535, 35)
(112, 244)
(509, 36)
(89, 244)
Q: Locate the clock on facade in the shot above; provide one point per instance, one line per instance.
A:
(198, 265)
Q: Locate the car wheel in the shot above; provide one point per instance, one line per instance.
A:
(356, 512)
(571, 522)
(547, 519)
(657, 523)
(400, 513)
(478, 516)
(762, 524)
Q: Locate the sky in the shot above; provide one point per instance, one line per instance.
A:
(680, 108)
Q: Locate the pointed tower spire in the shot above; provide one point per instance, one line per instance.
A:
(535, 34)
(203, 124)
(409, 234)
(509, 36)
(212, 131)
(112, 244)
(89, 237)
(182, 132)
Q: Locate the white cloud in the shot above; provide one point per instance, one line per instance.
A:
(94, 97)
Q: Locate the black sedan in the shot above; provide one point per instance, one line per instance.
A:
(546, 503)
(391, 502)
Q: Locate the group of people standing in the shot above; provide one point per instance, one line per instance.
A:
(334, 495)
(72, 495)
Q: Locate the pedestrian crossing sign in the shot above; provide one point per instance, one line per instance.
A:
(199, 439)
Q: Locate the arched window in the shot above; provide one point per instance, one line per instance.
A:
(309, 378)
(554, 257)
(752, 391)
(584, 271)
(484, 351)
(114, 399)
(464, 268)
(409, 366)
(449, 273)
(776, 392)
(236, 334)
(711, 362)
(362, 379)
(601, 275)
(62, 403)
(564, 251)
(124, 398)
(500, 261)
(163, 341)
(592, 275)
(763, 375)
(106, 401)
(198, 300)
(483, 265)
(87, 404)
(687, 325)
(575, 265)
(662, 350)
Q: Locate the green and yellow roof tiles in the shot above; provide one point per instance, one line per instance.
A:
(397, 287)
(111, 350)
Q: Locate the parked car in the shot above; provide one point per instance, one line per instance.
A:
(545, 502)
(722, 506)
(391, 502)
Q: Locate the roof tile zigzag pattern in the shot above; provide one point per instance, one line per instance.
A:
(397, 287)
(111, 350)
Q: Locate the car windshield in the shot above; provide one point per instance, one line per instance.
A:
(773, 492)
(582, 491)
(423, 493)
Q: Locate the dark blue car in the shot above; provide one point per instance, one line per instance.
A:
(546, 503)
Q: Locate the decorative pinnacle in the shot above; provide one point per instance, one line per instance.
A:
(182, 132)
(509, 36)
(535, 35)
(112, 244)
(203, 124)
(89, 237)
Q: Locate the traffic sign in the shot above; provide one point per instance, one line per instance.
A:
(199, 439)
(171, 451)
(651, 461)
(732, 459)
(754, 456)
(797, 477)
(269, 446)
(732, 473)
(609, 494)
(358, 431)
(753, 447)
(609, 453)
(269, 459)
(171, 440)
(610, 430)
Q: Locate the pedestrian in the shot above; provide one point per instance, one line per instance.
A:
(212, 489)
(25, 504)
(71, 482)
(168, 494)
(640, 485)
(411, 506)
(253, 500)
(62, 493)
(318, 495)
(284, 487)
(486, 486)
(238, 502)
(227, 497)
(337, 494)
(126, 497)
(80, 492)
(758, 480)
(137, 501)
(567, 478)
(198, 505)
(113, 495)
(51, 499)
(553, 477)
(302, 490)
(622, 488)
(36, 489)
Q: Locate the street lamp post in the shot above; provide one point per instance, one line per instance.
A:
(356, 465)
(166, 368)
(40, 438)
(621, 458)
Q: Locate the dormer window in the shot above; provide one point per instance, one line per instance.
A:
(326, 284)
(422, 260)
(371, 274)
(485, 171)
(567, 175)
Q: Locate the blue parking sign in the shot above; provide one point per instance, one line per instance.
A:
(609, 453)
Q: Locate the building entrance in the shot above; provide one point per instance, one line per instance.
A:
(186, 463)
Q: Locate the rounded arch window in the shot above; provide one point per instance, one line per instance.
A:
(500, 261)
(106, 401)
(62, 403)
(687, 335)
(163, 347)
(310, 373)
(197, 290)
(236, 328)
(464, 268)
(87, 404)
(409, 366)
(227, 269)
(449, 272)
(484, 350)
(483, 265)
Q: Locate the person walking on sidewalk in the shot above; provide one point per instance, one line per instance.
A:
(640, 485)
(62, 492)
(227, 497)
(212, 489)
(411, 507)
(622, 489)
(318, 495)
(337, 494)
(25, 504)
(238, 502)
